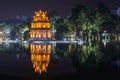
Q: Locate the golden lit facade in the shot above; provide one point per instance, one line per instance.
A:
(40, 56)
(40, 27)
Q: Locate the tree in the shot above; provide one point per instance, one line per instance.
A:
(53, 17)
(18, 27)
(83, 19)
(117, 23)
(61, 29)
(75, 18)
(70, 27)
(102, 16)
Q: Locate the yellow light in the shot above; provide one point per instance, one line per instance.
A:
(40, 57)
(40, 22)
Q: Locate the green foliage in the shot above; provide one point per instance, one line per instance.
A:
(15, 27)
(53, 17)
(117, 23)
(102, 16)
(82, 21)
(62, 29)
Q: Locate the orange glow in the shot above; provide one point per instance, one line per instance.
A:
(40, 22)
(40, 57)
(49, 34)
(40, 16)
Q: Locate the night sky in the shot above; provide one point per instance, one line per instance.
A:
(11, 8)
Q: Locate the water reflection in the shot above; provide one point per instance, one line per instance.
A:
(85, 56)
(58, 59)
(94, 56)
(15, 49)
(40, 56)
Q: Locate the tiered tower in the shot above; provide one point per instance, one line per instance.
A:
(40, 27)
(40, 56)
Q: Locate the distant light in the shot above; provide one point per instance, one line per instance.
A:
(1, 40)
(105, 34)
(81, 42)
(72, 39)
(8, 32)
(64, 39)
(22, 32)
(1, 32)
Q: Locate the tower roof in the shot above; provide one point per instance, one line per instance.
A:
(40, 16)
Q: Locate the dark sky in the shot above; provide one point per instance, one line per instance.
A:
(10, 8)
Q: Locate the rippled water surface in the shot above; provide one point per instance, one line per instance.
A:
(59, 61)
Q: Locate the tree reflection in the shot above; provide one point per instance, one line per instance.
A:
(94, 56)
(14, 48)
(110, 53)
(86, 56)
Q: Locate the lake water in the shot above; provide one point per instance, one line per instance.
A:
(60, 61)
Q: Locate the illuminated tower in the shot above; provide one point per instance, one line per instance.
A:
(40, 56)
(40, 27)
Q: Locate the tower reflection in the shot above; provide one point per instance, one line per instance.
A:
(40, 56)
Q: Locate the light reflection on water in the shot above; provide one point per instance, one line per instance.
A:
(56, 59)
(40, 56)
